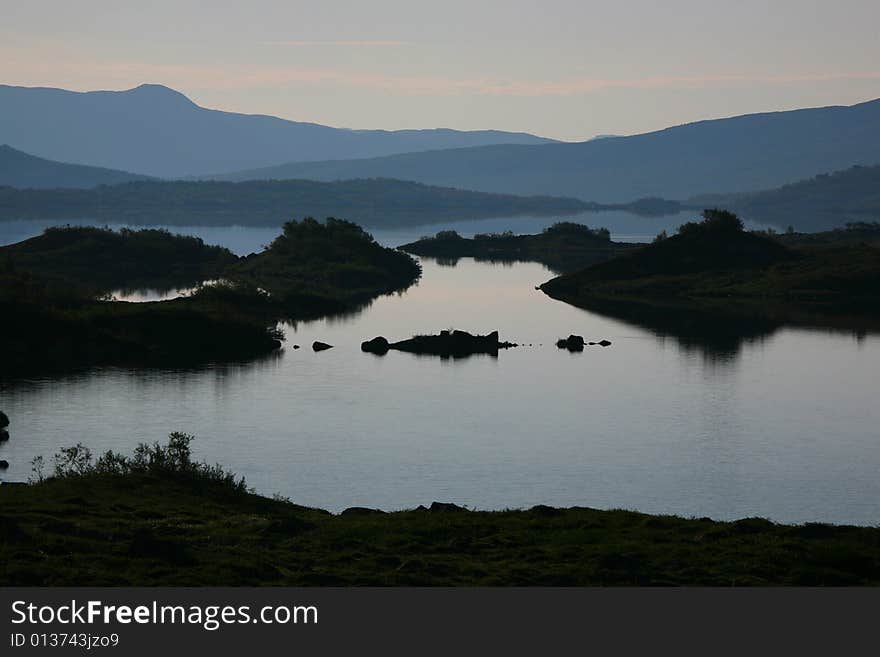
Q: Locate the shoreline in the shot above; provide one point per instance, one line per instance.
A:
(172, 529)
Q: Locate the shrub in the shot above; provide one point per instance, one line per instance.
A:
(572, 228)
(714, 221)
(174, 458)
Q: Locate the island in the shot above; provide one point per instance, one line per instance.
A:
(564, 246)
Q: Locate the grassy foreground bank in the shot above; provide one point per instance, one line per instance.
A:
(163, 520)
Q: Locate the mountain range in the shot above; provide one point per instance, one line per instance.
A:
(739, 154)
(157, 131)
(22, 170)
(823, 202)
(739, 162)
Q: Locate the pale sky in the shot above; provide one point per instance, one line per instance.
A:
(558, 68)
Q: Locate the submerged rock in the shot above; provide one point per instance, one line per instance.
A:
(4, 420)
(572, 343)
(4, 435)
(321, 346)
(378, 345)
(4, 465)
(604, 343)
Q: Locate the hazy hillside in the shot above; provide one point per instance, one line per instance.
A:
(270, 203)
(158, 131)
(18, 169)
(819, 203)
(744, 153)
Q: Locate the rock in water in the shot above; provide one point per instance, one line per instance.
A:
(604, 343)
(451, 344)
(321, 346)
(572, 343)
(4, 420)
(4, 465)
(4, 435)
(378, 345)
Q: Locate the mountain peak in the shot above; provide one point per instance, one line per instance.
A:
(158, 91)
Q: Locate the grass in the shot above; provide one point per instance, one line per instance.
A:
(172, 525)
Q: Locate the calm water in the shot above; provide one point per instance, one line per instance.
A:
(782, 426)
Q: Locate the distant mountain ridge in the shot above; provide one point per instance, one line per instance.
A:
(270, 203)
(154, 130)
(22, 170)
(739, 154)
(824, 202)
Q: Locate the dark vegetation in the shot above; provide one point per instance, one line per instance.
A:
(53, 318)
(375, 202)
(104, 260)
(715, 264)
(564, 246)
(446, 344)
(853, 233)
(158, 518)
(317, 268)
(49, 326)
(821, 203)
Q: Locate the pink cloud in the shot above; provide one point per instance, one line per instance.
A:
(90, 73)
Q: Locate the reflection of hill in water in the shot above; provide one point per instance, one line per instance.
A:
(15, 382)
(350, 314)
(720, 331)
(717, 335)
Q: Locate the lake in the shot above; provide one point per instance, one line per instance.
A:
(782, 424)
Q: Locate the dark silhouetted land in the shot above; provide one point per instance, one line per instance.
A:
(716, 265)
(157, 518)
(315, 268)
(564, 246)
(104, 260)
(54, 318)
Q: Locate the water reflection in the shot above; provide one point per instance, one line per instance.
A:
(754, 419)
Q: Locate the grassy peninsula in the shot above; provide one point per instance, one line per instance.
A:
(159, 518)
(715, 265)
(51, 288)
(564, 246)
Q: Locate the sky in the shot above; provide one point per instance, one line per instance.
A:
(564, 69)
